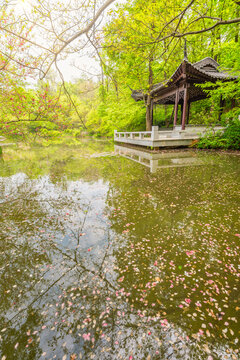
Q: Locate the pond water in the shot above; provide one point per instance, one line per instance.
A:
(119, 254)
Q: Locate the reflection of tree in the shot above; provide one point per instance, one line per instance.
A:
(72, 284)
(163, 218)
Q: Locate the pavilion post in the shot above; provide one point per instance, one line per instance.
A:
(176, 108)
(185, 105)
(149, 113)
(188, 111)
(181, 111)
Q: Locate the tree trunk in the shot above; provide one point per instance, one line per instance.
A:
(168, 122)
(237, 27)
(149, 103)
(218, 42)
(221, 104)
(116, 87)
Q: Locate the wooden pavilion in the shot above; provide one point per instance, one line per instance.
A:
(181, 88)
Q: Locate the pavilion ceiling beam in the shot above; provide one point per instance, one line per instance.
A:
(167, 93)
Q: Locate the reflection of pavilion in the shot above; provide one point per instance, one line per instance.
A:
(160, 160)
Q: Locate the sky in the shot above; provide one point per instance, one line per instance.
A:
(74, 66)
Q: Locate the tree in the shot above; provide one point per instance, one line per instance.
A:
(144, 42)
(51, 36)
(27, 113)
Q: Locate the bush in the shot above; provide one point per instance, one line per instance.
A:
(230, 139)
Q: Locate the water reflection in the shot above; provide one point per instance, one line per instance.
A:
(155, 161)
(100, 259)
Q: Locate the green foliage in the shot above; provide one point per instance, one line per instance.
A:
(116, 113)
(230, 139)
(135, 56)
(138, 49)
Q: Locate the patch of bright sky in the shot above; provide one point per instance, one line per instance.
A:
(74, 66)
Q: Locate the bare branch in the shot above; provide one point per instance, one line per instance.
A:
(80, 33)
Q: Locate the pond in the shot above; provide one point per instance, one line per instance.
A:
(119, 254)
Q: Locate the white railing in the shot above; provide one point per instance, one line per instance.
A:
(137, 135)
(133, 135)
(145, 137)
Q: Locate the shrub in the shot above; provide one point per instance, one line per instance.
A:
(230, 139)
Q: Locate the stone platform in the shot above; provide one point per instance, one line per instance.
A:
(161, 139)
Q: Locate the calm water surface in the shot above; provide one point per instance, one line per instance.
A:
(118, 255)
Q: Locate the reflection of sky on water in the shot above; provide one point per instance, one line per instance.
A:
(106, 260)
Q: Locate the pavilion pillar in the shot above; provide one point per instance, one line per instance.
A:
(185, 106)
(176, 108)
(149, 114)
(188, 111)
(181, 111)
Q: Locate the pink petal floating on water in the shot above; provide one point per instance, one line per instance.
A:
(191, 252)
(86, 337)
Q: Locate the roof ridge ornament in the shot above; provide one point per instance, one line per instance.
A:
(185, 50)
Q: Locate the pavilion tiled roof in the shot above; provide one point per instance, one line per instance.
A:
(206, 69)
